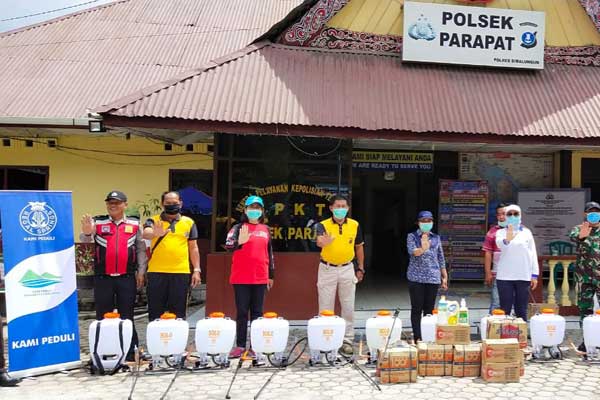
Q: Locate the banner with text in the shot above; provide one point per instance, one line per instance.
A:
(392, 160)
(41, 297)
(442, 33)
(551, 214)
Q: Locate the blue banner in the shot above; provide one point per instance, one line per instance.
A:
(41, 296)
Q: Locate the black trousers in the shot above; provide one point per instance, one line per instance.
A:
(248, 299)
(167, 293)
(514, 294)
(118, 292)
(422, 301)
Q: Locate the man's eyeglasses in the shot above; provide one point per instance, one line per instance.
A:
(513, 214)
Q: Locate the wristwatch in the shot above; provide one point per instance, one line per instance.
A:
(197, 270)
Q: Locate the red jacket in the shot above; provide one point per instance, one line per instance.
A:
(253, 261)
(115, 246)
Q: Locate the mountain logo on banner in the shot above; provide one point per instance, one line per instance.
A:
(34, 281)
(37, 218)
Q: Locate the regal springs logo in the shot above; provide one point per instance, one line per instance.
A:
(38, 219)
(34, 281)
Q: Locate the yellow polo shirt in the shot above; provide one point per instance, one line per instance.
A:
(346, 236)
(172, 253)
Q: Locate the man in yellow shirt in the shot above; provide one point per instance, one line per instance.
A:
(341, 241)
(173, 243)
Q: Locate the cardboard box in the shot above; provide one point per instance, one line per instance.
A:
(536, 308)
(510, 328)
(522, 363)
(501, 351)
(467, 360)
(501, 372)
(453, 334)
(398, 365)
(435, 359)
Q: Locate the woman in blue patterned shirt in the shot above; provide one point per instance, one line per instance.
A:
(426, 270)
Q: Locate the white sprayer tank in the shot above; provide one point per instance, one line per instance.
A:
(109, 346)
(269, 334)
(167, 336)
(378, 329)
(591, 332)
(215, 334)
(326, 332)
(496, 315)
(428, 324)
(547, 329)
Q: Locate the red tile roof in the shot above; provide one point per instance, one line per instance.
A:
(63, 66)
(274, 84)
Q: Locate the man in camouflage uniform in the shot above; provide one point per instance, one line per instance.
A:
(587, 270)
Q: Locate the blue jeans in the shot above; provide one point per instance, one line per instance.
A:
(514, 294)
(494, 297)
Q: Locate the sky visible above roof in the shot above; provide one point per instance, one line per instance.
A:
(16, 14)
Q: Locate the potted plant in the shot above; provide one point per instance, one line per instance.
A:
(84, 265)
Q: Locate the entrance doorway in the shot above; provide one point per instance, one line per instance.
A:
(386, 206)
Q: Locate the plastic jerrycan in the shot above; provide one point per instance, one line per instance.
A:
(215, 334)
(379, 328)
(428, 324)
(167, 335)
(106, 333)
(326, 332)
(269, 334)
(547, 329)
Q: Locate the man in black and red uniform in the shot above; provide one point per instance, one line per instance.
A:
(120, 259)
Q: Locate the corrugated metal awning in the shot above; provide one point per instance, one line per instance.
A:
(274, 84)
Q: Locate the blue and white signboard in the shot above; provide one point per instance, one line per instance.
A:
(39, 267)
(449, 34)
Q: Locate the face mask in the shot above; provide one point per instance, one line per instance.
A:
(593, 217)
(514, 220)
(503, 224)
(340, 213)
(254, 214)
(425, 226)
(172, 209)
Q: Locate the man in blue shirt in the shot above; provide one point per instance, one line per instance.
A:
(426, 270)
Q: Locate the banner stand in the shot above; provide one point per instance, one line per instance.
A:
(41, 290)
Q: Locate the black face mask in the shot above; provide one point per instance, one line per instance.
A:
(172, 209)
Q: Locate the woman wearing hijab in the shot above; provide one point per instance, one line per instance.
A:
(426, 270)
(518, 267)
(252, 267)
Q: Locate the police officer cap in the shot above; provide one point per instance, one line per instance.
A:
(592, 205)
(254, 200)
(116, 195)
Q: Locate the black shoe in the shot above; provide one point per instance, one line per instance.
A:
(7, 381)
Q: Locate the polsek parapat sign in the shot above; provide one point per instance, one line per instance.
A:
(441, 33)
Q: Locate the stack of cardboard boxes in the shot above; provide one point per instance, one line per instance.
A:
(453, 334)
(509, 328)
(397, 365)
(502, 360)
(435, 359)
(467, 360)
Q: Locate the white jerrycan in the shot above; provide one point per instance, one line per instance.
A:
(110, 339)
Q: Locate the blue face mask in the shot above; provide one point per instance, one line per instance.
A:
(254, 214)
(593, 217)
(425, 226)
(340, 213)
(503, 224)
(514, 220)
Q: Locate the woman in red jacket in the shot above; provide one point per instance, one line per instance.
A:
(252, 267)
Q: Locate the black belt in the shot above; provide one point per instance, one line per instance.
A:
(335, 265)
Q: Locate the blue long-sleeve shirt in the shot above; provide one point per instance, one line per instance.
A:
(427, 267)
